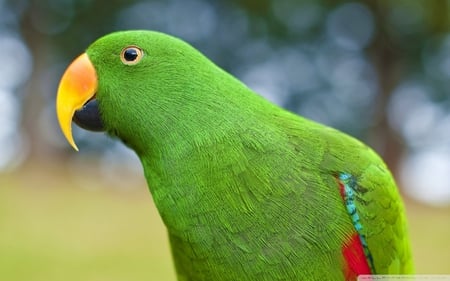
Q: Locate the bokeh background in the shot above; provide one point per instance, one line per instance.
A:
(376, 69)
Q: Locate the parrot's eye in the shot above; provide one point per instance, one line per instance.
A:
(131, 55)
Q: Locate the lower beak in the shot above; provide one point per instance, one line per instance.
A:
(77, 86)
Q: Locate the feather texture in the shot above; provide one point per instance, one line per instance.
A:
(247, 190)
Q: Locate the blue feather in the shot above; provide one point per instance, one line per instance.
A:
(349, 184)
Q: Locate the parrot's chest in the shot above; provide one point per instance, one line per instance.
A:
(229, 237)
(259, 252)
(235, 218)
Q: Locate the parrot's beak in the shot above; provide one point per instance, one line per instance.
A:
(77, 86)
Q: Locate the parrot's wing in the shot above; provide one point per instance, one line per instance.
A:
(372, 201)
(383, 221)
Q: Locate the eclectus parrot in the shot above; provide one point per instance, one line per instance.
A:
(246, 189)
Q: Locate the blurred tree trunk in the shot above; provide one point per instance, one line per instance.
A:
(388, 61)
(40, 93)
(390, 57)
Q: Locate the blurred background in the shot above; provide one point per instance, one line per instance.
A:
(376, 69)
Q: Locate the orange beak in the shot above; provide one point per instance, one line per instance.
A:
(77, 86)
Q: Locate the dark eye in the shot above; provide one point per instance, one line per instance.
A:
(131, 55)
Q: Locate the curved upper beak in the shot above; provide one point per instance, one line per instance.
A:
(77, 86)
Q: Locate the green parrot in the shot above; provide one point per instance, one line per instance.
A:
(246, 189)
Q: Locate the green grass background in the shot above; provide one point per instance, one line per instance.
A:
(54, 226)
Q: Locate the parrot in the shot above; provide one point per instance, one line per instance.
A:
(246, 189)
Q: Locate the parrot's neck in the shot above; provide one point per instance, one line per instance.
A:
(185, 165)
(180, 129)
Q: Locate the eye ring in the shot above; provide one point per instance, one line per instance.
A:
(131, 55)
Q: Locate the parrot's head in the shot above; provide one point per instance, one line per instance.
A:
(130, 81)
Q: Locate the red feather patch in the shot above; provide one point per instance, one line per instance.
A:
(356, 263)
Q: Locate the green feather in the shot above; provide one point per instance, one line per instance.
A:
(247, 190)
